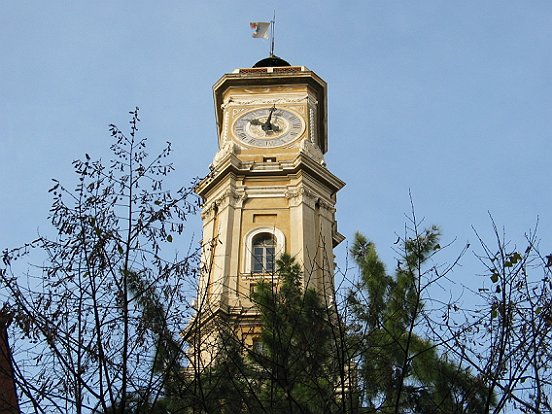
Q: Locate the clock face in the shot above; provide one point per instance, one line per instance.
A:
(268, 127)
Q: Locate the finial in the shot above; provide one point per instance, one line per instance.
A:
(272, 33)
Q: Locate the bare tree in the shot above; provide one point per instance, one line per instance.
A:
(96, 323)
(506, 338)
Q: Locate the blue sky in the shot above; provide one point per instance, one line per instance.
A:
(449, 100)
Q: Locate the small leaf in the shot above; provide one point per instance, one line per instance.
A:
(515, 257)
(169, 238)
(495, 277)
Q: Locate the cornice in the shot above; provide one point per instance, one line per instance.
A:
(231, 164)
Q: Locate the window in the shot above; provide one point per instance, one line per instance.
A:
(257, 346)
(262, 257)
(261, 248)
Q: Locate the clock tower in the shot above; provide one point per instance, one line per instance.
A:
(269, 192)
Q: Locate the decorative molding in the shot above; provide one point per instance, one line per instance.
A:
(228, 147)
(237, 197)
(230, 197)
(224, 129)
(237, 111)
(312, 150)
(311, 99)
(266, 191)
(298, 195)
(327, 206)
(208, 211)
(312, 125)
(237, 101)
(258, 277)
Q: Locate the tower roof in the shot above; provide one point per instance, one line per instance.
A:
(271, 61)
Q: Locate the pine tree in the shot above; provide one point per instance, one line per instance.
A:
(295, 365)
(400, 370)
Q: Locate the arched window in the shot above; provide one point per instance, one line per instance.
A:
(262, 253)
(262, 246)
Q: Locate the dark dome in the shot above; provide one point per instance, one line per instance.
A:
(271, 62)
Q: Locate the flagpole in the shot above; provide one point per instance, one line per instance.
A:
(273, 23)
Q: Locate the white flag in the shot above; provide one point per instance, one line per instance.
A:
(260, 29)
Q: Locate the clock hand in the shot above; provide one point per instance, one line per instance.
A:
(267, 126)
(272, 127)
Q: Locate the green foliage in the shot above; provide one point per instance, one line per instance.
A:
(294, 365)
(290, 369)
(401, 371)
(223, 387)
